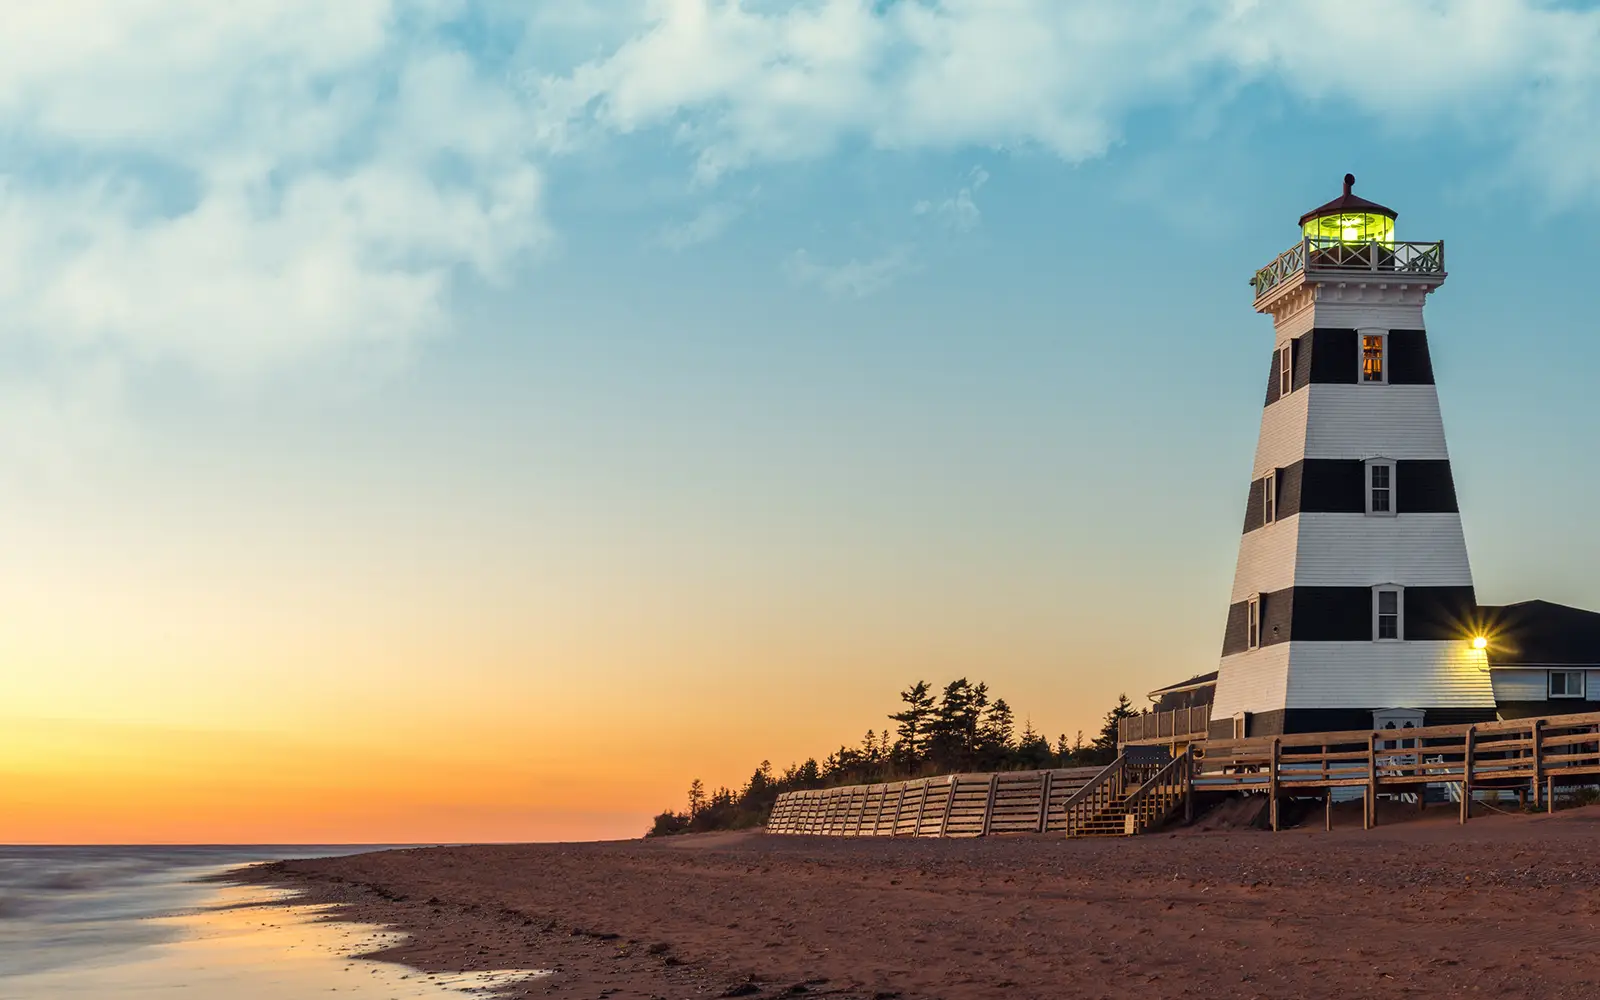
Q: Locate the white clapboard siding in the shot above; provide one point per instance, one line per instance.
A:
(1444, 674)
(1369, 421)
(1355, 550)
(1283, 433)
(1252, 681)
(1368, 315)
(1266, 559)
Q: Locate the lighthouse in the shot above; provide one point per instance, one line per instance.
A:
(1352, 602)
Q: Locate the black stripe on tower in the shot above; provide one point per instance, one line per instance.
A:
(1332, 357)
(1338, 486)
(1345, 614)
(1285, 721)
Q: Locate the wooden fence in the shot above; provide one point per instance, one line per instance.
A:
(1178, 724)
(1532, 756)
(951, 805)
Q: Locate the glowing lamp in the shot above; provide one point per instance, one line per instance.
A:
(1349, 219)
(1480, 643)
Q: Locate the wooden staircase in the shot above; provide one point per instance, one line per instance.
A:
(1131, 795)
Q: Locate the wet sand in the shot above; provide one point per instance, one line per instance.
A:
(1508, 906)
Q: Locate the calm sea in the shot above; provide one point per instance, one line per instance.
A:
(81, 922)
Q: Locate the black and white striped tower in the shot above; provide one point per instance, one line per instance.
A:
(1352, 604)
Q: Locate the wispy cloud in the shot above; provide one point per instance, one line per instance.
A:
(707, 225)
(854, 278)
(959, 212)
(242, 186)
(744, 84)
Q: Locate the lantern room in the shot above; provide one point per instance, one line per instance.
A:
(1349, 219)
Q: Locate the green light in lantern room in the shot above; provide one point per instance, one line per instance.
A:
(1351, 227)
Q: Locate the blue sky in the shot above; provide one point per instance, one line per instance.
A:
(714, 356)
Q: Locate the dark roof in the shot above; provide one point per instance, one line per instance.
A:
(1533, 633)
(1348, 202)
(1198, 680)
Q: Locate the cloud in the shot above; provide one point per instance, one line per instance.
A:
(854, 278)
(246, 187)
(742, 83)
(707, 225)
(960, 212)
(242, 187)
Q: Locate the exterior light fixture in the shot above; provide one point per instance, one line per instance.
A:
(1480, 643)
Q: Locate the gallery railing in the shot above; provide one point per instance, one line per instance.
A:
(1317, 254)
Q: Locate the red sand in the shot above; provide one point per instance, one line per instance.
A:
(1504, 907)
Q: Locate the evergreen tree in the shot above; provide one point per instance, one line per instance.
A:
(996, 733)
(809, 776)
(954, 725)
(1033, 750)
(1105, 744)
(697, 797)
(914, 721)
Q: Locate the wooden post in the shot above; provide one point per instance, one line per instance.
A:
(1327, 806)
(988, 806)
(1372, 778)
(1188, 787)
(1538, 759)
(899, 803)
(1550, 793)
(949, 804)
(1045, 780)
(1366, 808)
(1272, 781)
(922, 807)
(1466, 772)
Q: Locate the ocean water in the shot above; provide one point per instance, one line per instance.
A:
(82, 922)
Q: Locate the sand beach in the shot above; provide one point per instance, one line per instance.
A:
(1507, 906)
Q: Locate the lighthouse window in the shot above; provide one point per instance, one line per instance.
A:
(1386, 613)
(1566, 683)
(1286, 369)
(1380, 487)
(1269, 497)
(1372, 350)
(1253, 623)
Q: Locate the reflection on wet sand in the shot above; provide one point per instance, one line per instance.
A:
(249, 945)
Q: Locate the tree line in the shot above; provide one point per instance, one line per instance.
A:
(961, 729)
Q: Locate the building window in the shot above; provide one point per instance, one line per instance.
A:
(1566, 683)
(1269, 498)
(1253, 623)
(1286, 369)
(1380, 487)
(1388, 615)
(1373, 348)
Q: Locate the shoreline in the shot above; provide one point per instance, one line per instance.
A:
(1500, 907)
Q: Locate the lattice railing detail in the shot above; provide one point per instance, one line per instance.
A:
(1314, 254)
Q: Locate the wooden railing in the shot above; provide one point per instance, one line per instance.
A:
(1321, 254)
(1178, 724)
(1158, 798)
(1106, 791)
(952, 805)
(1532, 756)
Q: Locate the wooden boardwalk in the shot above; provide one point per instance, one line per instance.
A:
(1533, 757)
(1530, 756)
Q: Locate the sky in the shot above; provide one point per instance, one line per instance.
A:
(442, 421)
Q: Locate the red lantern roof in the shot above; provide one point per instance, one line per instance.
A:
(1348, 202)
